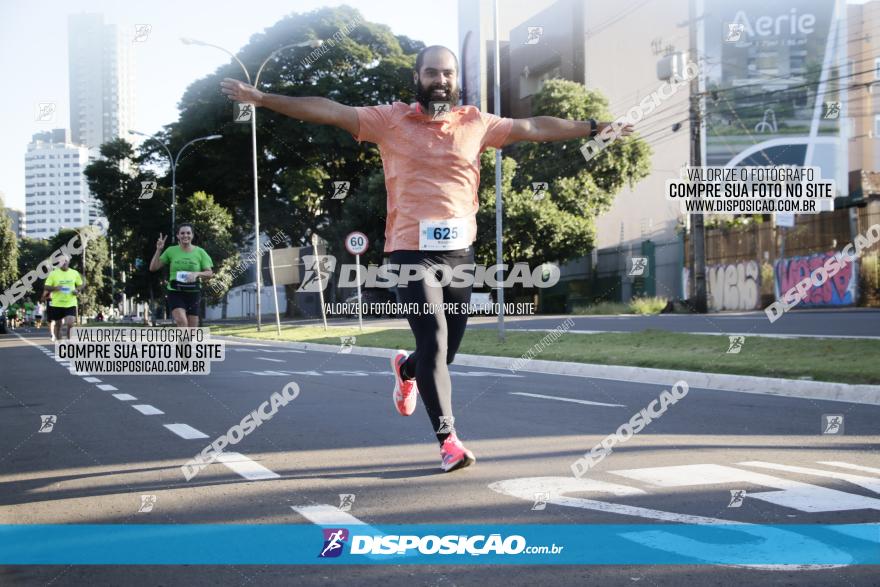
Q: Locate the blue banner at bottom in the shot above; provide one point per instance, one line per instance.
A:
(526, 544)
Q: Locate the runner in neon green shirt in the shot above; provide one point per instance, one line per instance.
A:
(63, 285)
(186, 263)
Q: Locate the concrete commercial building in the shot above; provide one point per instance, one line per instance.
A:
(56, 191)
(613, 50)
(101, 100)
(863, 107)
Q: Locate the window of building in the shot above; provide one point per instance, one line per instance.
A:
(877, 126)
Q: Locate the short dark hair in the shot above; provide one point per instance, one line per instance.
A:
(421, 56)
(191, 227)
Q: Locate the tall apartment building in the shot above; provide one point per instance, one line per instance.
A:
(56, 191)
(100, 72)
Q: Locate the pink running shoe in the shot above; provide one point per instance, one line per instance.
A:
(406, 393)
(454, 455)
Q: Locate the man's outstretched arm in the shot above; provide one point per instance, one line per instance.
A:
(310, 109)
(542, 129)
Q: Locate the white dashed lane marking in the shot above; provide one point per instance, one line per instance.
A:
(268, 359)
(236, 462)
(147, 409)
(327, 515)
(250, 470)
(186, 431)
(567, 399)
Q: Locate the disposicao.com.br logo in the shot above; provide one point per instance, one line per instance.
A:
(335, 540)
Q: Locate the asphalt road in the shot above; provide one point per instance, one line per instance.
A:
(341, 436)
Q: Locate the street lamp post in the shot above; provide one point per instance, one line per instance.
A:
(313, 43)
(173, 160)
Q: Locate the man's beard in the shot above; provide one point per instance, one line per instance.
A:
(425, 96)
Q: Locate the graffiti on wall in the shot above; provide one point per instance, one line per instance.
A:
(734, 286)
(840, 290)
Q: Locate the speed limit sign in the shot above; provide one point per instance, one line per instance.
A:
(356, 243)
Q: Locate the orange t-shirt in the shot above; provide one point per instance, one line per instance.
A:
(432, 167)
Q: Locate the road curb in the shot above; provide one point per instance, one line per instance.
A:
(796, 388)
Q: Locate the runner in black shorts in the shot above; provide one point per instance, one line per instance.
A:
(186, 264)
(62, 285)
(431, 155)
(438, 335)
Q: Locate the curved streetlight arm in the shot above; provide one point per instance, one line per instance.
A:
(153, 137)
(313, 43)
(228, 52)
(207, 138)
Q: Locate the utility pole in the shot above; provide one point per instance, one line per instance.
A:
(698, 233)
(85, 244)
(499, 199)
(112, 277)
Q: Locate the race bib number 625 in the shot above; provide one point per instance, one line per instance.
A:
(443, 235)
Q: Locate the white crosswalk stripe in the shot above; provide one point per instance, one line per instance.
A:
(860, 480)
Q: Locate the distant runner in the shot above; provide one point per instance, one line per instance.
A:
(187, 263)
(39, 308)
(63, 285)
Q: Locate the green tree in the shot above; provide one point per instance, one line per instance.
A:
(213, 228)
(561, 226)
(9, 247)
(134, 223)
(558, 227)
(297, 161)
(32, 252)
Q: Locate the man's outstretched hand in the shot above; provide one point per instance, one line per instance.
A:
(241, 92)
(621, 131)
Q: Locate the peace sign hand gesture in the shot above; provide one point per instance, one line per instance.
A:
(160, 243)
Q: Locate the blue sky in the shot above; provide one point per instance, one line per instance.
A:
(33, 55)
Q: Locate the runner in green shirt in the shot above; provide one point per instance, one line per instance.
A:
(12, 315)
(186, 263)
(63, 285)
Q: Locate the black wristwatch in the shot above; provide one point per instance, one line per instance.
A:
(594, 128)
